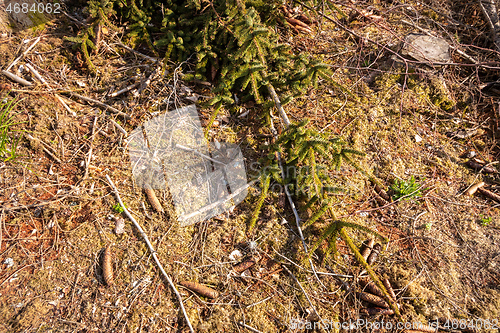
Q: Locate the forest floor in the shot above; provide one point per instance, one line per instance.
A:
(410, 117)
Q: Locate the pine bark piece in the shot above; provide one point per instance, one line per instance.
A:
(478, 166)
(200, 289)
(374, 254)
(489, 194)
(374, 299)
(107, 266)
(389, 289)
(474, 188)
(244, 265)
(371, 287)
(377, 311)
(153, 200)
(382, 193)
(366, 248)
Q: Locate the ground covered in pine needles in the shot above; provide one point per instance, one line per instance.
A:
(418, 123)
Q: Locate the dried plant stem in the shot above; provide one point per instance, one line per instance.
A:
(277, 102)
(489, 194)
(153, 252)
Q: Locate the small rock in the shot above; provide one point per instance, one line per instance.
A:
(235, 255)
(9, 262)
(426, 48)
(119, 226)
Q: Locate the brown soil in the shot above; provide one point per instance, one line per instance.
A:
(443, 256)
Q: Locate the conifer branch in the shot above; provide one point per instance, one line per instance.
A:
(362, 262)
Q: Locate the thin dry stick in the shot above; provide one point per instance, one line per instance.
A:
(194, 151)
(16, 78)
(101, 104)
(137, 53)
(24, 53)
(118, 127)
(45, 149)
(250, 328)
(124, 90)
(41, 79)
(217, 203)
(153, 252)
(301, 288)
(87, 164)
(1, 228)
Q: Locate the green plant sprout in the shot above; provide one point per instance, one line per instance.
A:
(8, 144)
(118, 208)
(406, 189)
(485, 220)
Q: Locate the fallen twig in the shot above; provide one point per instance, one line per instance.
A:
(137, 53)
(153, 252)
(301, 288)
(44, 82)
(489, 194)
(87, 162)
(24, 53)
(118, 127)
(250, 328)
(16, 78)
(124, 90)
(44, 145)
(482, 168)
(194, 151)
(217, 203)
(101, 104)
